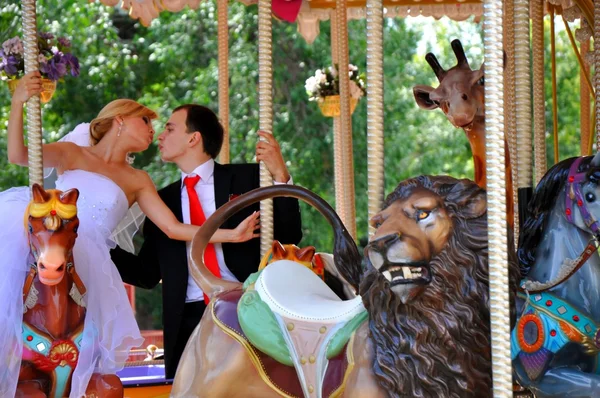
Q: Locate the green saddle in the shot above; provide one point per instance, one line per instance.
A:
(263, 329)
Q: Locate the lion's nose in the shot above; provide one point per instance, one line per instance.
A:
(382, 243)
(377, 248)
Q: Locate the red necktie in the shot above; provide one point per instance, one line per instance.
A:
(197, 217)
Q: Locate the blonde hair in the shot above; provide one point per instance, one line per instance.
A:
(121, 107)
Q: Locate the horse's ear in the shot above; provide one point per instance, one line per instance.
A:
(69, 197)
(421, 94)
(306, 255)
(470, 199)
(39, 194)
(596, 160)
(278, 250)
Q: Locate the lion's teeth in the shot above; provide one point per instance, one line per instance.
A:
(406, 272)
(387, 275)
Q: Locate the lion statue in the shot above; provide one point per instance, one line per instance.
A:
(420, 326)
(428, 267)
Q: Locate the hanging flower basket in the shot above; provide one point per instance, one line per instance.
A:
(324, 88)
(331, 105)
(55, 61)
(48, 88)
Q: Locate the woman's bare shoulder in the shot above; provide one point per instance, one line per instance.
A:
(140, 178)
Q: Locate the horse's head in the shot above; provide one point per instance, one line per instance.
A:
(51, 221)
(416, 225)
(278, 251)
(460, 94)
(583, 195)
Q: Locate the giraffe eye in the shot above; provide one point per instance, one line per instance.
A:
(481, 81)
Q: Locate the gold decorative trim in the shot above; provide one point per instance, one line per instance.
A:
(350, 358)
(251, 353)
(261, 370)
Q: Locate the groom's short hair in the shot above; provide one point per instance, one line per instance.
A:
(203, 120)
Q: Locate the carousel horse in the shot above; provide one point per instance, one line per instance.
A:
(54, 306)
(556, 340)
(420, 326)
(320, 263)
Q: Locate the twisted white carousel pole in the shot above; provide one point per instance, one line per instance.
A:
(496, 191)
(523, 93)
(375, 138)
(338, 150)
(539, 100)
(510, 121)
(34, 114)
(223, 39)
(265, 115)
(346, 118)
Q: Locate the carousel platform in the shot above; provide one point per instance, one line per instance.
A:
(145, 380)
(144, 373)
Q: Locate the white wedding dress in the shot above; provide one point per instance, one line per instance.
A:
(110, 329)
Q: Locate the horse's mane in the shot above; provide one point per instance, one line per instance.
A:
(539, 208)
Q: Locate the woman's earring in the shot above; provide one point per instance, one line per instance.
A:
(120, 128)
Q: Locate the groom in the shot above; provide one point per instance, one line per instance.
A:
(192, 140)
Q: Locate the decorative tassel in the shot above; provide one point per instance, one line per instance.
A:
(77, 296)
(31, 300)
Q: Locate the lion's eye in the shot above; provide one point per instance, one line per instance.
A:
(422, 214)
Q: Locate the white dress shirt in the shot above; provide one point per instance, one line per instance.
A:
(205, 188)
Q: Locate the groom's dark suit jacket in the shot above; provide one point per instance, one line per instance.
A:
(161, 258)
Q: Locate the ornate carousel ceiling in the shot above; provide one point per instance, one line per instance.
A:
(312, 12)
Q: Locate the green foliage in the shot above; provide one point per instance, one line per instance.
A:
(174, 61)
(567, 76)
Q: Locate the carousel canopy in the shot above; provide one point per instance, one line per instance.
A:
(312, 12)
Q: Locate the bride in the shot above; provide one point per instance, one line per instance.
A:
(94, 160)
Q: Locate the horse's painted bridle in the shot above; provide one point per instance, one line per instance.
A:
(574, 194)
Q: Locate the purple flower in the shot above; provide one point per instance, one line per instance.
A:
(72, 62)
(13, 46)
(11, 65)
(55, 68)
(63, 41)
(46, 36)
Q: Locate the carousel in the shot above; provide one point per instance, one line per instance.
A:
(448, 298)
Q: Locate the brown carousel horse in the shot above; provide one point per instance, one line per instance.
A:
(54, 309)
(420, 327)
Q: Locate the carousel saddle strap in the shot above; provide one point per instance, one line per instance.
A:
(295, 292)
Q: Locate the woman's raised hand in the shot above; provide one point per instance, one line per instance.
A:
(29, 85)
